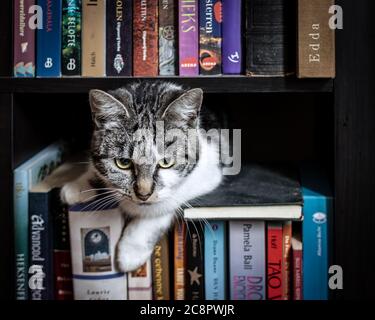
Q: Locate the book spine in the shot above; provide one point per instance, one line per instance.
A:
(210, 38)
(93, 38)
(167, 38)
(297, 274)
(179, 260)
(24, 39)
(49, 40)
(287, 256)
(232, 37)
(316, 40)
(160, 270)
(188, 37)
(140, 283)
(215, 260)
(21, 229)
(145, 38)
(194, 276)
(119, 40)
(247, 260)
(40, 248)
(274, 261)
(71, 37)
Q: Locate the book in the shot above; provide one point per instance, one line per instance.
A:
(316, 40)
(145, 38)
(93, 38)
(317, 211)
(275, 193)
(287, 260)
(188, 17)
(48, 40)
(194, 281)
(274, 260)
(270, 38)
(119, 38)
(140, 283)
(71, 37)
(247, 257)
(210, 37)
(232, 36)
(179, 260)
(160, 270)
(23, 39)
(25, 176)
(167, 37)
(297, 267)
(93, 238)
(215, 266)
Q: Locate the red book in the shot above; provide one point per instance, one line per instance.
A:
(179, 260)
(63, 275)
(297, 268)
(286, 265)
(274, 260)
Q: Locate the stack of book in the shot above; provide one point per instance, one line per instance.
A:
(97, 38)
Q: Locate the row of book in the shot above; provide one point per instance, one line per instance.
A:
(97, 38)
(245, 248)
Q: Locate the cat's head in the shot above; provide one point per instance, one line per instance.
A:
(125, 150)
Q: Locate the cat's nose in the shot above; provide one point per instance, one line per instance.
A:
(143, 197)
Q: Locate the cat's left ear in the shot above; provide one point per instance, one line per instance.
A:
(185, 109)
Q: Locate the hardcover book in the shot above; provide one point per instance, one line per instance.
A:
(71, 37)
(247, 256)
(179, 260)
(188, 37)
(274, 260)
(287, 260)
(167, 37)
(215, 266)
(93, 239)
(140, 283)
(48, 40)
(160, 270)
(232, 36)
(316, 40)
(23, 40)
(145, 38)
(297, 267)
(119, 40)
(210, 38)
(270, 38)
(93, 38)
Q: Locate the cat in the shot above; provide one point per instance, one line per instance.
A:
(149, 192)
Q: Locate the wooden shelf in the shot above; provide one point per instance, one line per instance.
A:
(222, 84)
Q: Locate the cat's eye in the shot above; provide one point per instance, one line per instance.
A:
(166, 163)
(123, 164)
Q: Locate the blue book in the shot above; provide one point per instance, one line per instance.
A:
(317, 210)
(25, 176)
(215, 260)
(49, 40)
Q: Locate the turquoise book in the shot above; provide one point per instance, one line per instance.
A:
(215, 260)
(317, 212)
(25, 176)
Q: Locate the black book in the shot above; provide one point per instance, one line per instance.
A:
(270, 37)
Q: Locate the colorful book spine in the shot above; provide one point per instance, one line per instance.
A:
(194, 281)
(232, 37)
(119, 40)
(287, 257)
(145, 38)
(160, 270)
(274, 260)
(188, 37)
(297, 268)
(215, 260)
(23, 39)
(71, 37)
(167, 38)
(179, 260)
(93, 240)
(247, 260)
(140, 283)
(93, 38)
(48, 40)
(210, 38)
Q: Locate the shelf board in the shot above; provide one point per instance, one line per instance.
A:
(223, 84)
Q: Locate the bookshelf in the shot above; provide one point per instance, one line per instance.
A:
(332, 119)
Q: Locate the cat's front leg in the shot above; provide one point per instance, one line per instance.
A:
(138, 240)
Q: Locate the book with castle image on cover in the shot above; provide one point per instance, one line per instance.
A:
(140, 282)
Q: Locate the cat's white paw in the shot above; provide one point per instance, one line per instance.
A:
(130, 256)
(73, 193)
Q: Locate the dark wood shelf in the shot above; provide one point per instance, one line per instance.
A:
(222, 84)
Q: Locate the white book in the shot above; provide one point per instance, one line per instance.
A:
(140, 283)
